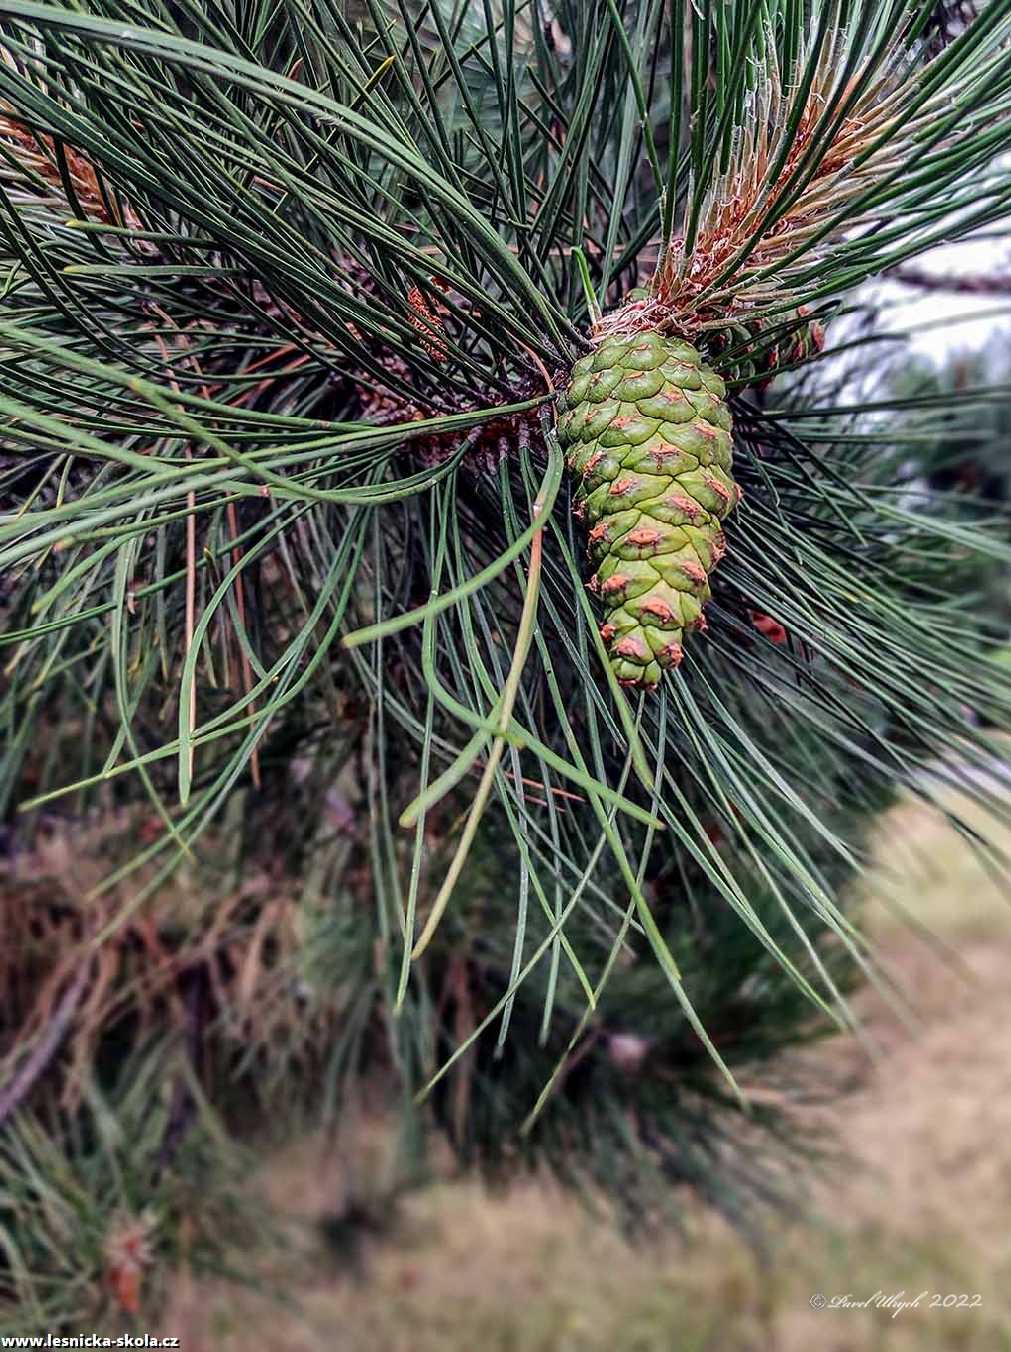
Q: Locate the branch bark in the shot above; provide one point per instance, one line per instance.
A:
(973, 284)
(47, 1046)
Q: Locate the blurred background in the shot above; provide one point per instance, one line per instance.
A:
(912, 1195)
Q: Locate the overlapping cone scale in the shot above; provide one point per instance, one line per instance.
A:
(645, 427)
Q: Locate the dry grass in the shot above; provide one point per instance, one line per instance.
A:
(922, 1208)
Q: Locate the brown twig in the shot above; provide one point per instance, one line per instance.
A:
(48, 1044)
(972, 284)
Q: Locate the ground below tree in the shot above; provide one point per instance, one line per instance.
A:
(922, 1206)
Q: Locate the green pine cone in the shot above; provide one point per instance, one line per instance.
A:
(645, 426)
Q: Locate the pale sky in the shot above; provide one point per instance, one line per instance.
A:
(942, 322)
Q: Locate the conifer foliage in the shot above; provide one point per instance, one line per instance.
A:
(334, 334)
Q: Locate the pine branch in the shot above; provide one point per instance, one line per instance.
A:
(290, 383)
(973, 284)
(48, 1044)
